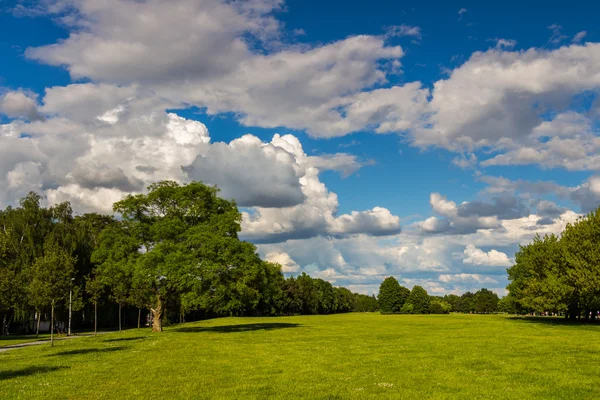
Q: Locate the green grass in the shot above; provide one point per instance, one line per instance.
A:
(351, 356)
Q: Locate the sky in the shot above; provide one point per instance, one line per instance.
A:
(424, 140)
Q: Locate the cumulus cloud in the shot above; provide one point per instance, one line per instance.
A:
(100, 142)
(19, 105)
(472, 278)
(498, 100)
(344, 163)
(317, 215)
(287, 264)
(251, 172)
(326, 90)
(586, 194)
(494, 258)
(461, 219)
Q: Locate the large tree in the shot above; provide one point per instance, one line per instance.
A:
(176, 240)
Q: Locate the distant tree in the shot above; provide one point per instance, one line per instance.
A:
(485, 301)
(365, 303)
(465, 304)
(453, 300)
(507, 304)
(439, 306)
(391, 297)
(345, 300)
(419, 299)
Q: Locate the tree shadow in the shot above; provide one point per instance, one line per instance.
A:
(124, 339)
(557, 321)
(4, 375)
(239, 328)
(87, 351)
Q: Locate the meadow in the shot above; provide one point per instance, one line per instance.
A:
(344, 356)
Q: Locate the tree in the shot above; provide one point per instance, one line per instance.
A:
(465, 303)
(485, 301)
(95, 289)
(439, 306)
(185, 241)
(391, 296)
(365, 303)
(453, 300)
(419, 299)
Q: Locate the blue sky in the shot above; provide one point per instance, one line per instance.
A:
(424, 140)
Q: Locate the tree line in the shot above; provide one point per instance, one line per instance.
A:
(397, 299)
(170, 254)
(559, 274)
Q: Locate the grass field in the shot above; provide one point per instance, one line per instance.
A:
(350, 356)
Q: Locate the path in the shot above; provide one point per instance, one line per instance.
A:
(38, 342)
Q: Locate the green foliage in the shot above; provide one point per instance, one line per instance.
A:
(407, 308)
(559, 274)
(391, 296)
(365, 303)
(485, 301)
(439, 306)
(419, 299)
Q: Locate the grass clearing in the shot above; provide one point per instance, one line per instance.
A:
(345, 356)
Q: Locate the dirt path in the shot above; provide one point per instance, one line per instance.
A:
(38, 342)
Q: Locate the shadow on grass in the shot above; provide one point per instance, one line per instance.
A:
(557, 321)
(87, 351)
(4, 375)
(238, 328)
(125, 339)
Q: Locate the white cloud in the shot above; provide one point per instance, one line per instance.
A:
(345, 163)
(504, 43)
(494, 258)
(579, 36)
(287, 264)
(326, 90)
(317, 215)
(19, 105)
(496, 99)
(251, 172)
(473, 278)
(403, 30)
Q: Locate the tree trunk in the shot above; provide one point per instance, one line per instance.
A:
(95, 318)
(3, 324)
(52, 325)
(139, 317)
(37, 327)
(120, 317)
(157, 315)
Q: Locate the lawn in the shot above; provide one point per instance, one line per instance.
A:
(350, 356)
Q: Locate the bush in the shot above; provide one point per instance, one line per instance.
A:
(439, 307)
(407, 308)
